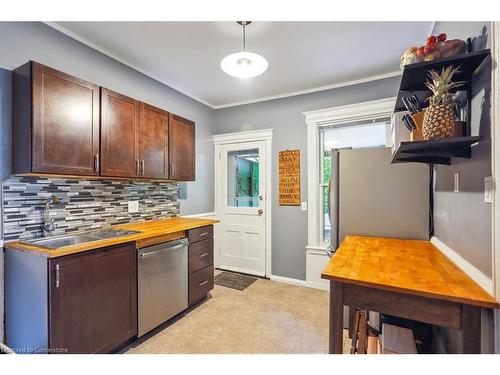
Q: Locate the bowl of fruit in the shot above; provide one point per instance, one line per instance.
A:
(435, 47)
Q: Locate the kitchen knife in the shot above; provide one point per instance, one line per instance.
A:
(416, 103)
(409, 122)
(407, 103)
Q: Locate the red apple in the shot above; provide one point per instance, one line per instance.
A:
(441, 37)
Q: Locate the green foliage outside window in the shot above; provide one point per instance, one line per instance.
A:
(247, 179)
(327, 171)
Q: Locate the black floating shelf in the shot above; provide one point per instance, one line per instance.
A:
(438, 151)
(414, 76)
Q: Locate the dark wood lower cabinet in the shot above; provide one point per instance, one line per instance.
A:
(201, 267)
(93, 300)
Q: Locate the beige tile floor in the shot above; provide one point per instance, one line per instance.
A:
(268, 317)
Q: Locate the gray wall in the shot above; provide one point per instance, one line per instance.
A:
(462, 220)
(23, 41)
(5, 109)
(285, 116)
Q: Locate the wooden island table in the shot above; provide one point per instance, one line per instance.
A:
(406, 278)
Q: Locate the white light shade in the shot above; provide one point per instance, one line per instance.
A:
(244, 64)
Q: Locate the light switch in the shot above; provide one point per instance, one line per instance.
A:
(133, 206)
(488, 189)
(304, 206)
(456, 182)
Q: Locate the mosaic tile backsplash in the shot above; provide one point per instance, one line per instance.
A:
(84, 204)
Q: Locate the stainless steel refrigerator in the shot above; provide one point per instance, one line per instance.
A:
(370, 196)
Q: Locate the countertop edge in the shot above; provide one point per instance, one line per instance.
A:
(414, 292)
(191, 223)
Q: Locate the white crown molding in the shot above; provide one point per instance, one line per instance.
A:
(352, 112)
(475, 274)
(312, 90)
(87, 42)
(248, 136)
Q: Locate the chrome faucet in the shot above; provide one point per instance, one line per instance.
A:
(48, 223)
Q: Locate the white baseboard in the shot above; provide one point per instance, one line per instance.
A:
(204, 214)
(288, 280)
(298, 282)
(484, 281)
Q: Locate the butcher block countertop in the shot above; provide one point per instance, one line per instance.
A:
(408, 266)
(152, 232)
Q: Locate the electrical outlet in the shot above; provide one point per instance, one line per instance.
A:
(304, 206)
(488, 189)
(133, 206)
(456, 182)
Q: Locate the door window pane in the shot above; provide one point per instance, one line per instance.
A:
(243, 178)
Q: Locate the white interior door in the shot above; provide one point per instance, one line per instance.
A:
(243, 217)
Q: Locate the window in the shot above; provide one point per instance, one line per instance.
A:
(360, 134)
(243, 178)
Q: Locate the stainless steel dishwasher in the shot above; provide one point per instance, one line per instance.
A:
(162, 283)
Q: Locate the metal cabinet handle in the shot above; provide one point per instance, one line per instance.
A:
(141, 171)
(203, 255)
(177, 247)
(203, 234)
(96, 163)
(58, 278)
(137, 172)
(204, 282)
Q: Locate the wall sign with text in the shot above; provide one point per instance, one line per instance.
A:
(289, 177)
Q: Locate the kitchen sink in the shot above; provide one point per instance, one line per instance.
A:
(76, 239)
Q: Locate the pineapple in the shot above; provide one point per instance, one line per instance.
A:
(439, 117)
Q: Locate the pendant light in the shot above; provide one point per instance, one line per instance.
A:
(244, 64)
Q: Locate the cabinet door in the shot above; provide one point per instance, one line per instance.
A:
(93, 299)
(181, 149)
(119, 135)
(153, 139)
(65, 123)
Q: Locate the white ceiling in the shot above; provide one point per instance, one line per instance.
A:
(302, 56)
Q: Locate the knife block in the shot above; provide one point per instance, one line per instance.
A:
(418, 119)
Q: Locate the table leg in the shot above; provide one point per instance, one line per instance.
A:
(471, 329)
(336, 317)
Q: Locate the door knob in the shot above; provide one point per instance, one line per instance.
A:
(260, 212)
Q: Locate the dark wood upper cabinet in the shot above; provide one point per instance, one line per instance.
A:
(119, 135)
(181, 149)
(55, 122)
(153, 140)
(93, 299)
(66, 126)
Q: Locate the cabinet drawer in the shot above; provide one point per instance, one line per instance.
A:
(201, 255)
(199, 234)
(200, 283)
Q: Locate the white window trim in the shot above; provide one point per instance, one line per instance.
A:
(240, 137)
(335, 115)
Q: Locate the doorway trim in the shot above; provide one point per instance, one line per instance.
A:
(265, 135)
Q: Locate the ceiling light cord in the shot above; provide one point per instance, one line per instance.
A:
(244, 39)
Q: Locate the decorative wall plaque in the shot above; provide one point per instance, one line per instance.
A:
(289, 178)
